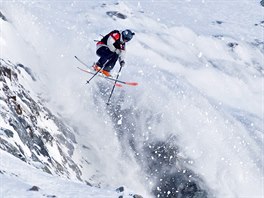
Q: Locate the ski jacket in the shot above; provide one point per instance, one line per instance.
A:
(114, 42)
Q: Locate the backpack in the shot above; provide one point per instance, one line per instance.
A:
(104, 39)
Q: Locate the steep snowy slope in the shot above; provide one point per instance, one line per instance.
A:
(194, 126)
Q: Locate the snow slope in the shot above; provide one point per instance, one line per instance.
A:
(194, 126)
(17, 178)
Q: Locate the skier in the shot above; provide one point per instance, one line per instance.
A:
(111, 48)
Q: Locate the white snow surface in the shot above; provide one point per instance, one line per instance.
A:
(19, 178)
(192, 85)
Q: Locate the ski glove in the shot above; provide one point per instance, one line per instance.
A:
(122, 63)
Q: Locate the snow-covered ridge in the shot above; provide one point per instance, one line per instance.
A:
(29, 130)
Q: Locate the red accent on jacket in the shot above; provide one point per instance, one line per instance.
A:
(115, 36)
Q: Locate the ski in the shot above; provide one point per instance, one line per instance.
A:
(80, 61)
(106, 77)
(100, 75)
(110, 78)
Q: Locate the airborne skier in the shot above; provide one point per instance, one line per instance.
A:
(111, 48)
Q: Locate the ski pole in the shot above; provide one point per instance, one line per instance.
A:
(88, 81)
(114, 85)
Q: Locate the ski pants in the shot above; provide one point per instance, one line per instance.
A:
(107, 58)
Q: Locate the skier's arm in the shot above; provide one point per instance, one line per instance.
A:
(116, 46)
(110, 44)
(113, 42)
(122, 57)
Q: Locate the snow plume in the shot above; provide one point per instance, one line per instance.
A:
(192, 128)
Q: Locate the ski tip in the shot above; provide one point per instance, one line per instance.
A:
(132, 83)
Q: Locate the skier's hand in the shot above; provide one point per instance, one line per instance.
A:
(122, 63)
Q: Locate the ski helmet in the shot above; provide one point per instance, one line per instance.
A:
(127, 35)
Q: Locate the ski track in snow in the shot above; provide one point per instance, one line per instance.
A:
(197, 88)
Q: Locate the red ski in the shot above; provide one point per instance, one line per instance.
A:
(110, 78)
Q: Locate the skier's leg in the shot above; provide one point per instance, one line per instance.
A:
(111, 63)
(105, 54)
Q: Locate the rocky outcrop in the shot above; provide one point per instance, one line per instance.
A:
(29, 130)
(2, 16)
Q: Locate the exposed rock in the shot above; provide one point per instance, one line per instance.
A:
(25, 114)
(232, 44)
(120, 189)
(2, 16)
(50, 196)
(115, 14)
(262, 3)
(163, 165)
(28, 70)
(5, 72)
(34, 188)
(88, 183)
(8, 132)
(218, 22)
(261, 23)
(179, 181)
(137, 196)
(258, 43)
